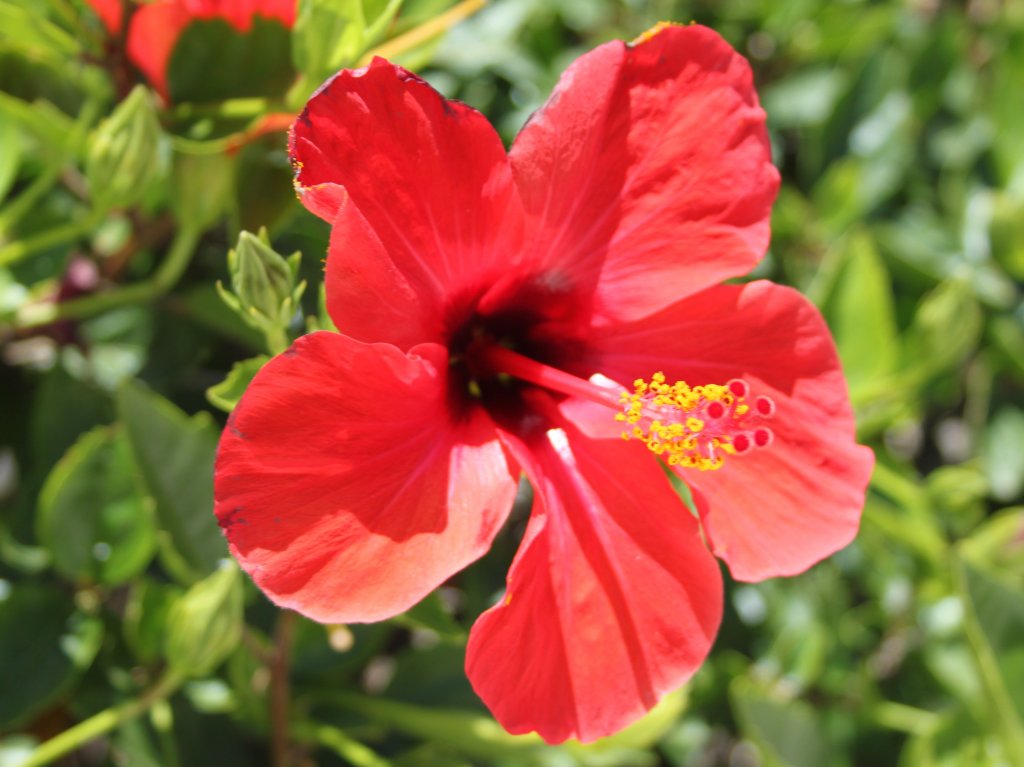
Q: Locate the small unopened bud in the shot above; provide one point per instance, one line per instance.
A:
(265, 285)
(205, 624)
(126, 154)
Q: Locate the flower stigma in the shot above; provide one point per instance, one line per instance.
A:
(696, 427)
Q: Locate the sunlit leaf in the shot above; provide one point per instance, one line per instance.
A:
(226, 394)
(174, 454)
(788, 732)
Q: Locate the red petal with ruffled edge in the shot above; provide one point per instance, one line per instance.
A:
(346, 487)
(239, 13)
(612, 599)
(155, 28)
(648, 175)
(153, 31)
(420, 185)
(774, 511)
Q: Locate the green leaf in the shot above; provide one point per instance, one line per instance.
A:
(44, 646)
(328, 35)
(10, 158)
(787, 731)
(862, 314)
(806, 98)
(480, 737)
(226, 394)
(994, 620)
(379, 15)
(997, 546)
(945, 329)
(213, 60)
(430, 613)
(93, 516)
(63, 408)
(1007, 84)
(175, 455)
(42, 120)
(30, 29)
(1006, 233)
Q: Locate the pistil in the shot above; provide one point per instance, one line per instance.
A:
(694, 427)
(500, 359)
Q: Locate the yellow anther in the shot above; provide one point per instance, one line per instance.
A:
(694, 427)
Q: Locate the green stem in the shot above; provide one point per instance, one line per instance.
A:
(280, 690)
(910, 499)
(65, 12)
(903, 718)
(162, 719)
(349, 749)
(433, 27)
(897, 487)
(59, 235)
(26, 201)
(165, 278)
(13, 212)
(98, 724)
(229, 109)
(277, 339)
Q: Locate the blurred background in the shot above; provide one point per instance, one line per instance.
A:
(899, 130)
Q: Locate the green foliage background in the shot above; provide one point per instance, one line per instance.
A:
(899, 129)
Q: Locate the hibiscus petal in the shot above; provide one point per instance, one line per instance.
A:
(240, 12)
(369, 296)
(612, 599)
(153, 32)
(348, 488)
(647, 176)
(774, 511)
(426, 179)
(109, 12)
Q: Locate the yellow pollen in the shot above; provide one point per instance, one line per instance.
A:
(652, 32)
(695, 426)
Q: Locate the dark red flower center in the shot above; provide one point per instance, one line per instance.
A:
(691, 427)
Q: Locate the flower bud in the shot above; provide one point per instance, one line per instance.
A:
(265, 285)
(205, 625)
(126, 154)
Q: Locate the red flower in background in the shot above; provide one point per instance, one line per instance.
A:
(495, 310)
(154, 28)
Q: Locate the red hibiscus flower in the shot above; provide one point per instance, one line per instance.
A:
(495, 311)
(154, 28)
